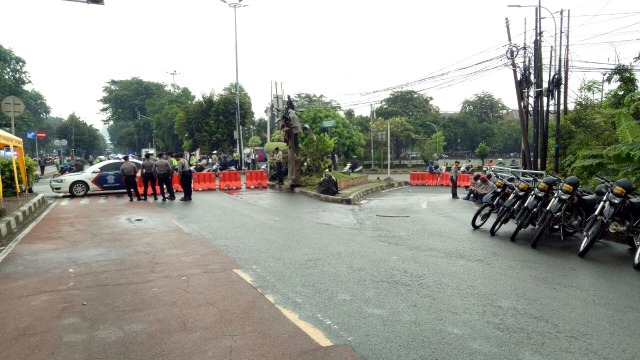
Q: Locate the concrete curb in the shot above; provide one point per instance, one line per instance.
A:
(10, 223)
(355, 197)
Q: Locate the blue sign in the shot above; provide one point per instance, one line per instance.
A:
(31, 135)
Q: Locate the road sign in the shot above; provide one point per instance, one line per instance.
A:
(41, 134)
(12, 106)
(329, 123)
(31, 135)
(56, 142)
(63, 142)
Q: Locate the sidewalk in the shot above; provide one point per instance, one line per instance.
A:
(125, 281)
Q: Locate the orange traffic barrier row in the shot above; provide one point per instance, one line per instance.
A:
(207, 181)
(442, 179)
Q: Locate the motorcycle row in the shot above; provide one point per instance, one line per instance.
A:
(554, 204)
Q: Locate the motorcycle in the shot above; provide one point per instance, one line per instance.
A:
(492, 201)
(514, 203)
(566, 211)
(532, 208)
(617, 213)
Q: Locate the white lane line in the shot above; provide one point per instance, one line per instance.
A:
(84, 201)
(181, 226)
(314, 333)
(65, 202)
(102, 200)
(25, 232)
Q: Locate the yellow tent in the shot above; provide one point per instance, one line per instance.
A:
(14, 143)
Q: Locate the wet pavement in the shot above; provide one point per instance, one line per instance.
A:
(102, 278)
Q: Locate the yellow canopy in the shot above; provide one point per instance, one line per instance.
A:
(15, 144)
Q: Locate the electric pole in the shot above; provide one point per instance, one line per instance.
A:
(556, 152)
(566, 69)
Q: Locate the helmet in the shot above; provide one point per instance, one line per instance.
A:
(573, 181)
(601, 190)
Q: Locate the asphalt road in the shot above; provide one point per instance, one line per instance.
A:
(404, 276)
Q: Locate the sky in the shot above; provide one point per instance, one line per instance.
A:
(349, 51)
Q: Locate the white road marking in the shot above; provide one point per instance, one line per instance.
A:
(65, 202)
(84, 200)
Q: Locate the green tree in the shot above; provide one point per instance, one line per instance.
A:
(482, 152)
(255, 141)
(86, 139)
(413, 106)
(401, 130)
(484, 108)
(627, 82)
(315, 150)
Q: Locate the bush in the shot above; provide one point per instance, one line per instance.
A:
(6, 171)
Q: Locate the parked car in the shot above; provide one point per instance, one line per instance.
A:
(104, 176)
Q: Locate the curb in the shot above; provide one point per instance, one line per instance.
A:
(353, 198)
(10, 223)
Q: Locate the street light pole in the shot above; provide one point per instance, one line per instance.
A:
(235, 6)
(437, 141)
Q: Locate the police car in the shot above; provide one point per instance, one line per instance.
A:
(104, 176)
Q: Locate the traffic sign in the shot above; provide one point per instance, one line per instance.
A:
(329, 123)
(56, 142)
(12, 106)
(31, 135)
(41, 134)
(63, 142)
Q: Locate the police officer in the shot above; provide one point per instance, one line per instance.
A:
(148, 177)
(164, 172)
(128, 170)
(184, 174)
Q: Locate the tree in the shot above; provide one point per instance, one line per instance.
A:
(401, 130)
(254, 142)
(484, 108)
(482, 152)
(315, 150)
(413, 106)
(627, 82)
(84, 138)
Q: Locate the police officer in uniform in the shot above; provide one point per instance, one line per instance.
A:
(148, 177)
(184, 174)
(164, 172)
(128, 170)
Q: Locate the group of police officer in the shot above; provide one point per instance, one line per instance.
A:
(158, 170)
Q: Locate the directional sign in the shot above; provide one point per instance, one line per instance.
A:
(329, 123)
(31, 135)
(56, 142)
(41, 134)
(63, 142)
(12, 106)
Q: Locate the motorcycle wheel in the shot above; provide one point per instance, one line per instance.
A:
(544, 226)
(499, 221)
(591, 234)
(482, 215)
(636, 259)
(524, 217)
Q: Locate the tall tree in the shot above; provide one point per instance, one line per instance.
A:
(484, 108)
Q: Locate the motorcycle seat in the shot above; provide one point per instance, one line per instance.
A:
(635, 203)
(590, 200)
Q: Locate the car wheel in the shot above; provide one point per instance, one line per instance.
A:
(79, 188)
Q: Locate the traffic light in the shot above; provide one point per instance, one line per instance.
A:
(95, 2)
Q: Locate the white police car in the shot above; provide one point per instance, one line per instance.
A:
(104, 176)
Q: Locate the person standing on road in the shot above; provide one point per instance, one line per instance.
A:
(128, 170)
(184, 174)
(163, 172)
(148, 177)
(278, 158)
(42, 162)
(454, 180)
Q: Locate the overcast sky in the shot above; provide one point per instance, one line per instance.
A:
(343, 49)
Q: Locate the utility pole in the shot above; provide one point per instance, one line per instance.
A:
(566, 69)
(372, 118)
(536, 87)
(523, 127)
(545, 138)
(556, 152)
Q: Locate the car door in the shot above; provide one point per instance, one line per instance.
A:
(109, 177)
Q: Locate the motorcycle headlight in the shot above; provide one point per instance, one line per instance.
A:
(523, 186)
(500, 183)
(567, 189)
(614, 199)
(619, 191)
(57, 181)
(543, 187)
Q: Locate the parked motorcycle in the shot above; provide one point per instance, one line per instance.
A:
(567, 210)
(532, 208)
(617, 213)
(514, 203)
(492, 201)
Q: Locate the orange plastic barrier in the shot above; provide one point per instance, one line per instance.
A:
(175, 182)
(230, 180)
(444, 179)
(197, 178)
(255, 179)
(262, 179)
(209, 180)
(464, 180)
(431, 179)
(413, 178)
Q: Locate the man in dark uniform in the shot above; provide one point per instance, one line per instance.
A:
(164, 172)
(148, 177)
(128, 171)
(184, 174)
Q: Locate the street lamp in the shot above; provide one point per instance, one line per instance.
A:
(235, 6)
(437, 142)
